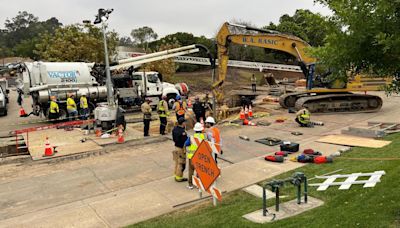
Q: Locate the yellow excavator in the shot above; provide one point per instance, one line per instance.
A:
(319, 96)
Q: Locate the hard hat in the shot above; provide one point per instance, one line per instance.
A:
(198, 127)
(84, 94)
(178, 97)
(210, 119)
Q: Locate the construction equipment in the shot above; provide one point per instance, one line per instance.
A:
(332, 96)
(41, 80)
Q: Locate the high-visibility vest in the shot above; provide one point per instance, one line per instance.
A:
(217, 137)
(179, 109)
(161, 109)
(195, 141)
(71, 105)
(83, 102)
(54, 107)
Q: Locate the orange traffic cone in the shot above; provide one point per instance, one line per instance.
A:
(22, 112)
(241, 115)
(98, 132)
(121, 138)
(250, 112)
(246, 113)
(48, 151)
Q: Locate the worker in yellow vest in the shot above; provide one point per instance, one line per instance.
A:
(192, 143)
(163, 113)
(54, 110)
(83, 104)
(71, 107)
(303, 118)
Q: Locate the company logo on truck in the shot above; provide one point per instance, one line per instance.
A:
(65, 76)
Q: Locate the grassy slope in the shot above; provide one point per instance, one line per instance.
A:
(357, 207)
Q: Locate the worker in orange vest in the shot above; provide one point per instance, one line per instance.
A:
(180, 107)
(213, 135)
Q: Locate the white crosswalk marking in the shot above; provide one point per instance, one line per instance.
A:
(375, 177)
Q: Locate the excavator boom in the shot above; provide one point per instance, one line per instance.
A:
(245, 35)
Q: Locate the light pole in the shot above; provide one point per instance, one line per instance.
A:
(102, 17)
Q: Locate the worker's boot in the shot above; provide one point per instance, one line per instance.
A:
(182, 179)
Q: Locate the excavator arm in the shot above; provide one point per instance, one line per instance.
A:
(245, 35)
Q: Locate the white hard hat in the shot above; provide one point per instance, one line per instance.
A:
(198, 127)
(210, 119)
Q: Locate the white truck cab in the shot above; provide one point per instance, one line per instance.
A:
(150, 85)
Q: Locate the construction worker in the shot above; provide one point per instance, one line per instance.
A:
(180, 107)
(179, 136)
(253, 83)
(199, 110)
(303, 117)
(245, 102)
(213, 135)
(163, 113)
(146, 110)
(192, 144)
(54, 110)
(83, 104)
(71, 106)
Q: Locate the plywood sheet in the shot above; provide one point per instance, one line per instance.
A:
(67, 142)
(353, 141)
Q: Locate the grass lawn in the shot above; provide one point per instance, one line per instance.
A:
(356, 207)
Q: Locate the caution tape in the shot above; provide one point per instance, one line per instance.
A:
(70, 123)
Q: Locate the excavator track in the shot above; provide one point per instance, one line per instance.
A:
(340, 103)
(289, 100)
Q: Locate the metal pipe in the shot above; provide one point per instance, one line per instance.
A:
(264, 202)
(153, 59)
(299, 193)
(160, 53)
(277, 199)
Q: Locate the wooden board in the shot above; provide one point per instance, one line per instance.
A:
(353, 141)
(67, 142)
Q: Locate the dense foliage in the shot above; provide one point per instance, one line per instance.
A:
(76, 43)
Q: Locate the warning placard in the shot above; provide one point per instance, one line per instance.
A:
(205, 165)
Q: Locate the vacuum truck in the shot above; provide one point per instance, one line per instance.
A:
(41, 80)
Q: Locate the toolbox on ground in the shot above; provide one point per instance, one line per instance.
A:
(290, 147)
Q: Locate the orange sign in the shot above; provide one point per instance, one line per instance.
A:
(205, 165)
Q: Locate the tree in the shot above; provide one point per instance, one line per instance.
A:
(125, 41)
(22, 33)
(368, 38)
(142, 36)
(76, 43)
(309, 26)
